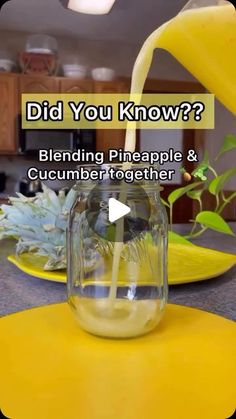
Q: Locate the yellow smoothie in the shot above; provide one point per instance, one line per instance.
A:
(204, 41)
(127, 319)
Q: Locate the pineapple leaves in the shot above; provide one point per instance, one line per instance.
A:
(39, 224)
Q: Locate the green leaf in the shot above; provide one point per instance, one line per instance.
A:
(228, 145)
(214, 221)
(165, 203)
(217, 184)
(203, 165)
(177, 193)
(176, 238)
(195, 194)
(206, 159)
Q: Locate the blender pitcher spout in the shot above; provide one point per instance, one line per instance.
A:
(202, 37)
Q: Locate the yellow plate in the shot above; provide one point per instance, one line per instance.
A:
(33, 265)
(187, 263)
(51, 369)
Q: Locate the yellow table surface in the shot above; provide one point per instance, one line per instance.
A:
(51, 369)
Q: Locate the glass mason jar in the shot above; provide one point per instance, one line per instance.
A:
(117, 271)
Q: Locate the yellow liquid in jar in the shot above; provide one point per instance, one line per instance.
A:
(126, 319)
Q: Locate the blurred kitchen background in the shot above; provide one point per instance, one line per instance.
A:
(91, 53)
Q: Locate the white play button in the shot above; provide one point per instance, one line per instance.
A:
(117, 210)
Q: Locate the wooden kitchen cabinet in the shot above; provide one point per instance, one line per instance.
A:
(76, 86)
(8, 113)
(13, 85)
(111, 138)
(38, 84)
(105, 139)
(115, 86)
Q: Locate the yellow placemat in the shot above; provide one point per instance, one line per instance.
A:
(51, 369)
(187, 263)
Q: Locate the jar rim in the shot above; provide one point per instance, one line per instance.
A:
(118, 165)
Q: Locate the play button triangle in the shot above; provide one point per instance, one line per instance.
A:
(117, 210)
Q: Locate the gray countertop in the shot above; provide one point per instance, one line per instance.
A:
(19, 291)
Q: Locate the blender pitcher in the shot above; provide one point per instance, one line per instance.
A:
(202, 37)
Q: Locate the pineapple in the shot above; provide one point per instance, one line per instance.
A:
(39, 224)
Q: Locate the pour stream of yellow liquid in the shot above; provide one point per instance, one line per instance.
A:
(204, 41)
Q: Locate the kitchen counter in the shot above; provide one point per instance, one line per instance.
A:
(20, 291)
